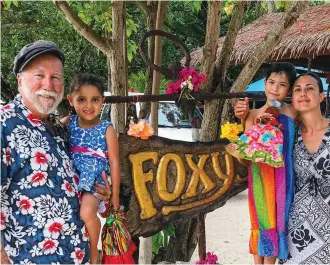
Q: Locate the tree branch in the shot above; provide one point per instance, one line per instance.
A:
(86, 31)
(267, 46)
(223, 60)
(143, 5)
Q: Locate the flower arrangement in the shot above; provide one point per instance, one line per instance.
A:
(189, 80)
(231, 131)
(209, 259)
(142, 130)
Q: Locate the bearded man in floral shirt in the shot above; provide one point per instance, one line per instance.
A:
(40, 222)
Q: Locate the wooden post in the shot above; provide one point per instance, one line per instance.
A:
(201, 236)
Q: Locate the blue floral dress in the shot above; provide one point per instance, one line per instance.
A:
(88, 150)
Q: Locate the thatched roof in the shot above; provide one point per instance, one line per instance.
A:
(308, 37)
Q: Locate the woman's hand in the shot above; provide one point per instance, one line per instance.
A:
(103, 192)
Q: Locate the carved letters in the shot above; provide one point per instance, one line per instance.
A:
(141, 180)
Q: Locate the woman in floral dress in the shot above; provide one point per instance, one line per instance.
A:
(309, 219)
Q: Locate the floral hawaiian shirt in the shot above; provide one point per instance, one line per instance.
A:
(40, 203)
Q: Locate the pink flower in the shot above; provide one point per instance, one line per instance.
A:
(37, 178)
(25, 204)
(6, 158)
(67, 187)
(3, 220)
(34, 119)
(40, 158)
(188, 76)
(209, 259)
(79, 195)
(75, 180)
(202, 78)
(67, 167)
(6, 107)
(84, 233)
(77, 255)
(55, 227)
(49, 246)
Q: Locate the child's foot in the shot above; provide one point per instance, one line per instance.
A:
(105, 209)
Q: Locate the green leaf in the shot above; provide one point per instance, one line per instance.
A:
(155, 243)
(197, 5)
(263, 5)
(7, 4)
(15, 2)
(228, 10)
(131, 50)
(128, 31)
(131, 24)
(171, 230)
(283, 4)
(108, 26)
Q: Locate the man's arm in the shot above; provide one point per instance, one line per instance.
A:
(4, 258)
(5, 180)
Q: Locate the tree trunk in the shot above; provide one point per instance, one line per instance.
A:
(212, 108)
(182, 247)
(162, 5)
(211, 41)
(125, 61)
(151, 14)
(223, 60)
(117, 66)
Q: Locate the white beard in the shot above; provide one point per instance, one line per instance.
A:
(42, 107)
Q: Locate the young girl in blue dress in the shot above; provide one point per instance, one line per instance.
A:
(93, 147)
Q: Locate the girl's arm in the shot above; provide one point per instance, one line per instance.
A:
(250, 120)
(288, 110)
(65, 121)
(113, 156)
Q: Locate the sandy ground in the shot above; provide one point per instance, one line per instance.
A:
(228, 231)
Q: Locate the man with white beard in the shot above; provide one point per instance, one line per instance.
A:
(39, 216)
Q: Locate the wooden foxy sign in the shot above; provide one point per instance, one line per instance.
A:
(174, 181)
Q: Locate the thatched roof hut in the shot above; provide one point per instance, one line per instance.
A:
(309, 37)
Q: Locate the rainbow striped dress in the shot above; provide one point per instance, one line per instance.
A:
(270, 192)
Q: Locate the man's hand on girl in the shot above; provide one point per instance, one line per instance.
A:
(103, 192)
(242, 109)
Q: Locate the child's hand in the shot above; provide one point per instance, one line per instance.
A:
(115, 201)
(242, 109)
(264, 118)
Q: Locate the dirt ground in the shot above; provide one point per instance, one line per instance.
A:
(228, 231)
